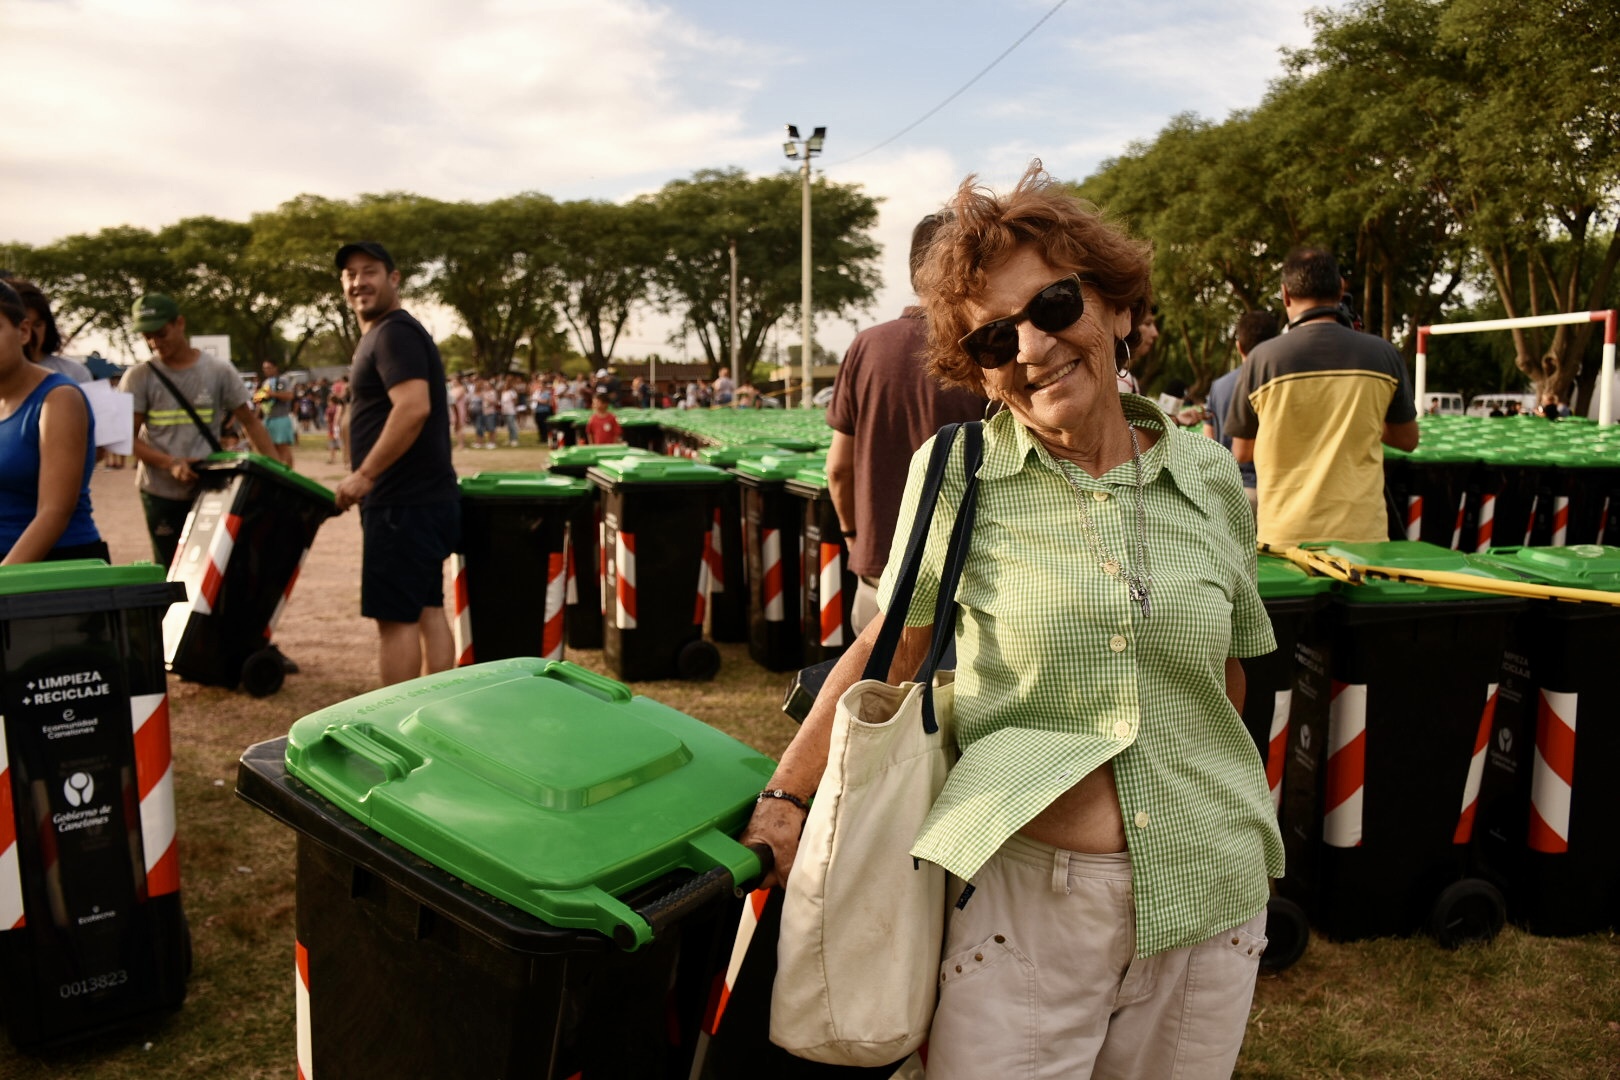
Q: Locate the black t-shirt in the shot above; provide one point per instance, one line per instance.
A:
(395, 350)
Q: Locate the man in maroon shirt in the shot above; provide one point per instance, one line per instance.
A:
(884, 406)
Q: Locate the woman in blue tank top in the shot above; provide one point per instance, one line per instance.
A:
(47, 452)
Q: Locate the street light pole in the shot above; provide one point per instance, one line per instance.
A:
(792, 148)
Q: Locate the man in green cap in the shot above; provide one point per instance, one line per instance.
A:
(167, 439)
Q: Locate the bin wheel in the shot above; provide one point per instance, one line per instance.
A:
(698, 661)
(1288, 932)
(1467, 911)
(263, 673)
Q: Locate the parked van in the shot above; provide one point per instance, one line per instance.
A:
(1482, 404)
(1443, 404)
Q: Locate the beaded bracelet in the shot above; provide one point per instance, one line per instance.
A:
(785, 796)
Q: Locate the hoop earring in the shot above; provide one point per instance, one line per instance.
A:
(1122, 364)
(990, 408)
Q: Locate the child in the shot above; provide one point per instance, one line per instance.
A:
(603, 426)
(334, 423)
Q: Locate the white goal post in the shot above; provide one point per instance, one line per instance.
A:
(1605, 380)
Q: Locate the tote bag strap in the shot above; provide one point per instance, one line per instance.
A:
(877, 666)
(951, 574)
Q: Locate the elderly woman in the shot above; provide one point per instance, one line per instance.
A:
(1108, 810)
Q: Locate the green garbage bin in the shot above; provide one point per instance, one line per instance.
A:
(511, 571)
(507, 870)
(1549, 809)
(771, 537)
(1379, 785)
(657, 516)
(583, 602)
(92, 933)
(245, 540)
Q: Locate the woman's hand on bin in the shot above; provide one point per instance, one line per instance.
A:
(777, 824)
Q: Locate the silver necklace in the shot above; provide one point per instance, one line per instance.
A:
(1137, 580)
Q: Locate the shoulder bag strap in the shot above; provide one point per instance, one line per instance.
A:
(877, 666)
(207, 433)
(955, 558)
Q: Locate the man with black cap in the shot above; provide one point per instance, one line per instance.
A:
(182, 397)
(401, 478)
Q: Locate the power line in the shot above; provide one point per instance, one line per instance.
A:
(959, 91)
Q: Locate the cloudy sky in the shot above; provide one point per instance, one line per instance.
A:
(146, 111)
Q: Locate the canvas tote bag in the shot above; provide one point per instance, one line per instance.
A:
(863, 922)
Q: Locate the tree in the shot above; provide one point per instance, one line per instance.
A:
(700, 217)
(606, 257)
(93, 280)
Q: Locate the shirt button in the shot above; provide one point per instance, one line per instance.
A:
(1122, 728)
(1100, 496)
(1117, 643)
(1141, 819)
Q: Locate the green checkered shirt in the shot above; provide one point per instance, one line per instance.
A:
(1058, 671)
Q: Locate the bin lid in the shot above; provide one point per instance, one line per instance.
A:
(540, 782)
(75, 574)
(658, 470)
(1408, 555)
(257, 463)
(727, 456)
(589, 454)
(779, 467)
(1280, 579)
(523, 485)
(1583, 566)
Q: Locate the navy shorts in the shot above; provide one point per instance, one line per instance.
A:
(402, 570)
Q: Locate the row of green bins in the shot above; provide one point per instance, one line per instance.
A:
(657, 518)
(1548, 807)
(1379, 783)
(245, 540)
(511, 572)
(509, 870)
(826, 583)
(584, 603)
(92, 933)
(772, 532)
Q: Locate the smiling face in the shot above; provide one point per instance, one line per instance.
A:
(169, 342)
(1059, 382)
(369, 287)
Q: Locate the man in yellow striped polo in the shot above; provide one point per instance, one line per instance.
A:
(167, 439)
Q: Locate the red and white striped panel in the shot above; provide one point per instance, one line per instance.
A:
(461, 611)
(1277, 748)
(1603, 520)
(705, 582)
(154, 779)
(832, 595)
(286, 594)
(624, 560)
(1414, 517)
(306, 1051)
(1560, 532)
(219, 554)
(551, 634)
(1552, 777)
(1456, 530)
(1530, 522)
(1346, 765)
(775, 610)
(720, 992)
(1487, 519)
(714, 556)
(11, 896)
(1476, 769)
(601, 564)
(571, 589)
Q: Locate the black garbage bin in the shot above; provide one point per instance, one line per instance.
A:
(92, 933)
(248, 534)
(826, 583)
(515, 869)
(1378, 789)
(771, 537)
(583, 602)
(1549, 808)
(728, 596)
(657, 513)
(511, 572)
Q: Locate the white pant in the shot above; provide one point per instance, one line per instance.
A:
(1041, 980)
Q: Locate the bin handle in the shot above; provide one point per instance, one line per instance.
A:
(569, 672)
(676, 905)
(357, 739)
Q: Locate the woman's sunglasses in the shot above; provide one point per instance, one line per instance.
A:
(1056, 307)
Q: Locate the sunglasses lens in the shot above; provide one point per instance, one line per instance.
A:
(992, 344)
(1058, 306)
